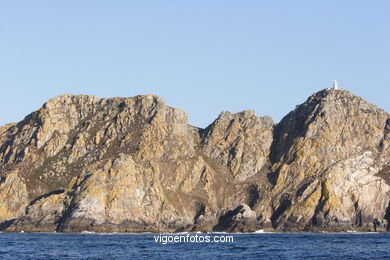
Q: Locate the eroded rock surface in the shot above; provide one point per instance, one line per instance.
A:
(327, 154)
(134, 164)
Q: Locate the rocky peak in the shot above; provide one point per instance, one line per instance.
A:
(327, 111)
(241, 141)
(324, 150)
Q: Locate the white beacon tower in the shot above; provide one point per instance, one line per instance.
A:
(335, 85)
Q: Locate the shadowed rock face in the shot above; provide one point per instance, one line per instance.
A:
(134, 164)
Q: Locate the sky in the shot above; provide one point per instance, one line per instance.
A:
(201, 56)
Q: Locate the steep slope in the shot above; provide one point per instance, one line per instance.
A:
(240, 141)
(327, 154)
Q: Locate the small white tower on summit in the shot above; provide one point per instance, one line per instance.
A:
(335, 85)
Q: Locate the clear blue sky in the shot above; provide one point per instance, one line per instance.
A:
(201, 56)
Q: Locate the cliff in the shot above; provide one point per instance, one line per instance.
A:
(134, 164)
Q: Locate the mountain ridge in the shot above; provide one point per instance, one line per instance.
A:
(135, 164)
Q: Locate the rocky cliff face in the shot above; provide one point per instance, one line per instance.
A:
(328, 156)
(134, 164)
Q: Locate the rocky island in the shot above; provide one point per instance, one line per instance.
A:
(81, 163)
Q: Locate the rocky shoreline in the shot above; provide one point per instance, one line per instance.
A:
(81, 163)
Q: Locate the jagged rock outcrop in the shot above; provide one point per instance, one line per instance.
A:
(327, 154)
(240, 141)
(134, 164)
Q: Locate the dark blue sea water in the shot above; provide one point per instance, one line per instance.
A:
(245, 246)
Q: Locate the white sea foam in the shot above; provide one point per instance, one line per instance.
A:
(87, 232)
(259, 231)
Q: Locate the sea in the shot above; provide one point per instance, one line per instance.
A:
(242, 246)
